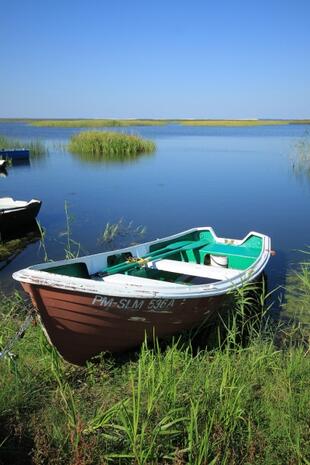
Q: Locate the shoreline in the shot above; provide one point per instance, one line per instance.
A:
(107, 122)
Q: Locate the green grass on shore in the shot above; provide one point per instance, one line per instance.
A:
(297, 301)
(36, 147)
(109, 144)
(233, 404)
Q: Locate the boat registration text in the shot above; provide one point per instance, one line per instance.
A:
(133, 304)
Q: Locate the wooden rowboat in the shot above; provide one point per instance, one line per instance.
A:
(110, 301)
(17, 213)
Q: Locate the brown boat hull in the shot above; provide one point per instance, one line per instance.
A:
(82, 325)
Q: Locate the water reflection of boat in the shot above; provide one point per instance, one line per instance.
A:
(3, 173)
(13, 243)
(109, 301)
(21, 162)
(16, 213)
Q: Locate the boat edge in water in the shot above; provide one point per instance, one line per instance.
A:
(14, 216)
(84, 317)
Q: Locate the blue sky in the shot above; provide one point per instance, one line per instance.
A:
(157, 59)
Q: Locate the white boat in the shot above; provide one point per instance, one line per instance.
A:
(16, 213)
(110, 301)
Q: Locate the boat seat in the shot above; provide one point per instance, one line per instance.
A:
(193, 269)
(239, 256)
(229, 249)
(124, 279)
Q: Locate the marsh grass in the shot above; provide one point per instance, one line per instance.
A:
(119, 234)
(122, 230)
(240, 123)
(109, 158)
(36, 147)
(96, 123)
(237, 402)
(297, 302)
(301, 160)
(72, 248)
(109, 144)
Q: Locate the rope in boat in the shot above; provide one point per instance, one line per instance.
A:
(7, 349)
(139, 261)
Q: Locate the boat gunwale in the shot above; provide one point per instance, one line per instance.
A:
(35, 275)
(26, 204)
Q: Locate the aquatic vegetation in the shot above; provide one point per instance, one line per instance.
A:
(111, 157)
(301, 161)
(70, 247)
(121, 229)
(234, 403)
(36, 147)
(105, 122)
(95, 123)
(9, 249)
(241, 123)
(297, 297)
(109, 145)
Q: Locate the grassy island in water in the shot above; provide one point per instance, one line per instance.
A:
(109, 143)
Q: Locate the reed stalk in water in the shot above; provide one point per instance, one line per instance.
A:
(301, 161)
(122, 229)
(36, 147)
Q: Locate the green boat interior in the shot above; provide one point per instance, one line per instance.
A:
(194, 258)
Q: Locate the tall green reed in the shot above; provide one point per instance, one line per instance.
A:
(297, 297)
(36, 147)
(120, 230)
(301, 159)
(109, 144)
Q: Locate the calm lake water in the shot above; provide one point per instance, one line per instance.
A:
(234, 179)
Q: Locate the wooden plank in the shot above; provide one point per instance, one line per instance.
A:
(137, 281)
(157, 254)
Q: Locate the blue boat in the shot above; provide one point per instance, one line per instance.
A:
(15, 154)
